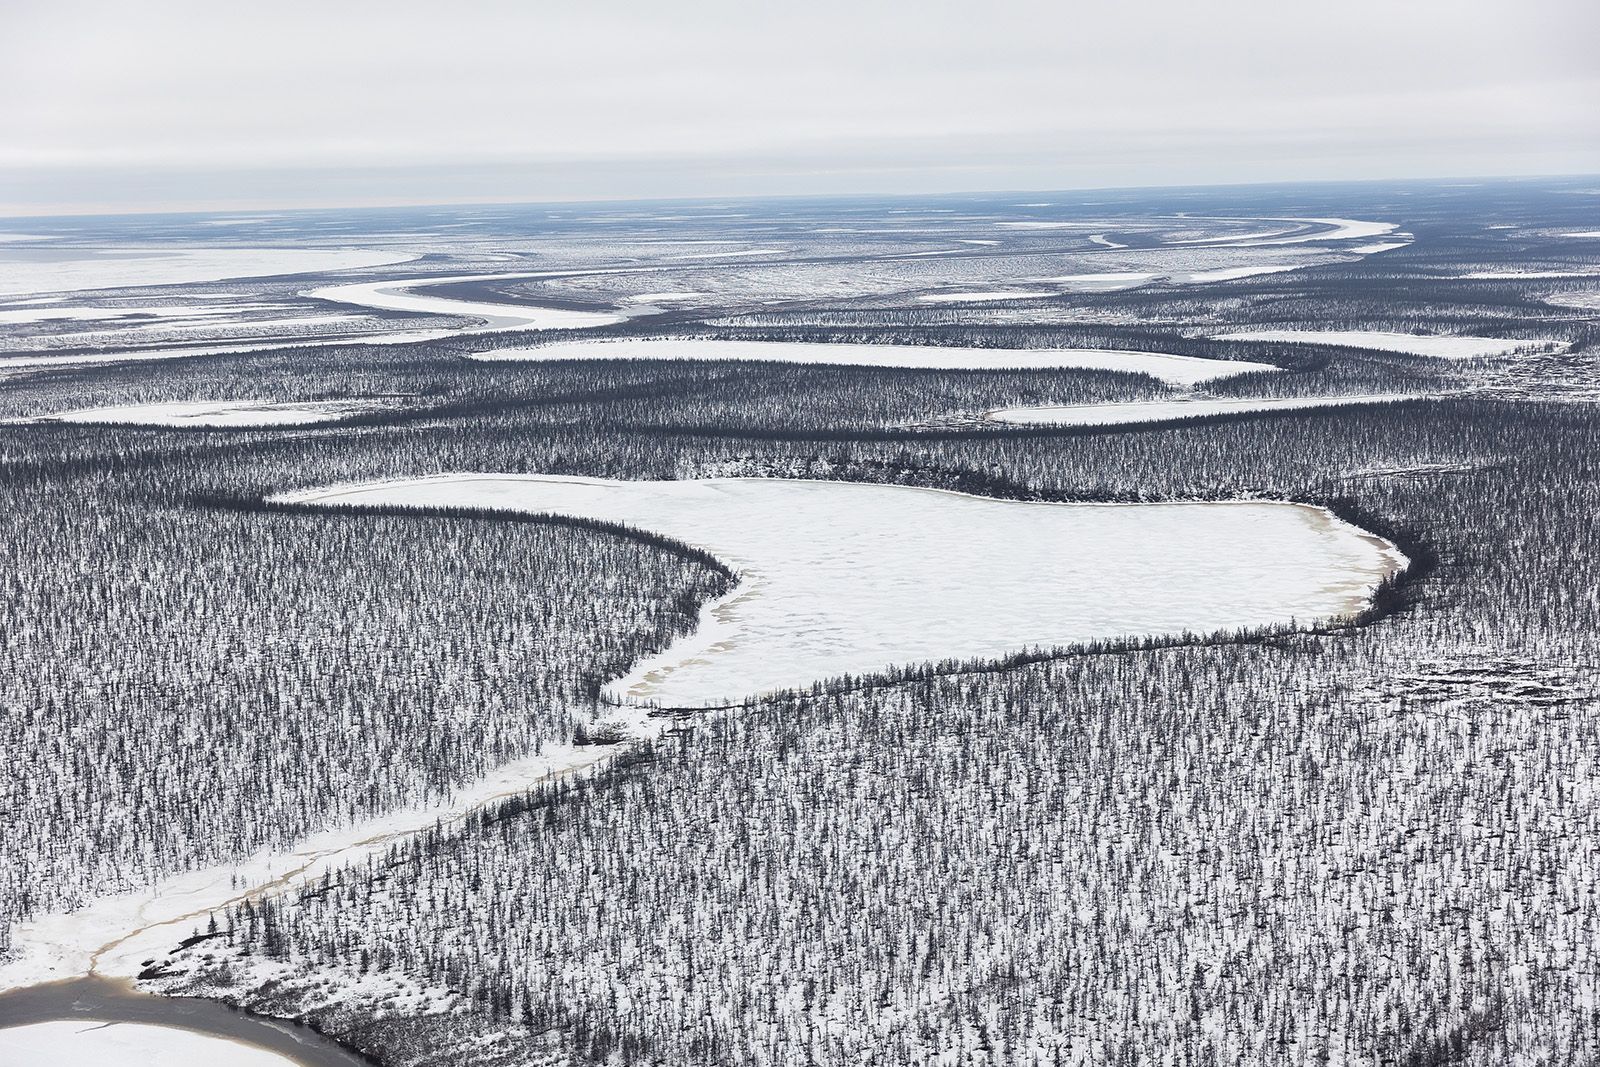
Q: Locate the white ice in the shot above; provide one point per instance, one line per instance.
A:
(87, 1043)
(1175, 370)
(217, 413)
(25, 316)
(985, 297)
(1439, 346)
(494, 317)
(1165, 410)
(841, 578)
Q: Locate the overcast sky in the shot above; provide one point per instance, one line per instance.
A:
(109, 106)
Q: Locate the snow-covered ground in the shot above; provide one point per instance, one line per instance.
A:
(849, 578)
(1175, 370)
(87, 1043)
(1440, 346)
(218, 413)
(496, 317)
(114, 935)
(24, 271)
(1165, 410)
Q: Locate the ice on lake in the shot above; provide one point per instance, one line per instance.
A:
(849, 578)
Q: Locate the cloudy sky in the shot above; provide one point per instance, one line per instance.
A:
(177, 106)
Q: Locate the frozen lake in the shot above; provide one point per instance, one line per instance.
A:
(218, 414)
(1439, 346)
(1166, 410)
(1172, 369)
(849, 578)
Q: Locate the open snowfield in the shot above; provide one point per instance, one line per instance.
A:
(25, 271)
(211, 414)
(1439, 346)
(848, 578)
(1175, 370)
(87, 1043)
(1167, 410)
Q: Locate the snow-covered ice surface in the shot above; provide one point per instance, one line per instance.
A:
(218, 413)
(985, 297)
(1437, 345)
(396, 295)
(87, 1043)
(841, 578)
(1173, 369)
(1294, 233)
(23, 272)
(1166, 410)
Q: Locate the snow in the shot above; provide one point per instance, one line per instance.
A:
(1514, 275)
(1381, 246)
(1101, 283)
(113, 935)
(1228, 274)
(115, 268)
(88, 313)
(1165, 410)
(87, 1043)
(217, 413)
(984, 297)
(1440, 346)
(849, 578)
(1041, 225)
(740, 252)
(1176, 370)
(1341, 230)
(496, 317)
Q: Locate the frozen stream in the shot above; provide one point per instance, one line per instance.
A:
(849, 578)
(97, 1022)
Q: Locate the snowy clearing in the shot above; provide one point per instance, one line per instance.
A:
(218, 413)
(88, 1043)
(844, 578)
(1439, 346)
(116, 268)
(1175, 370)
(1167, 410)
